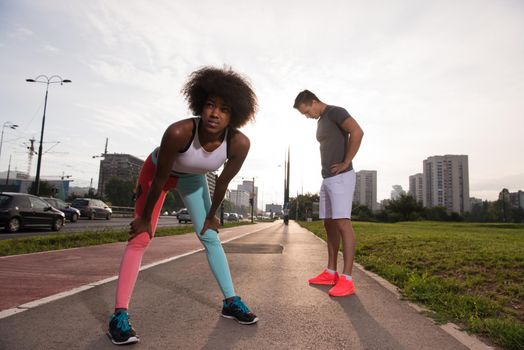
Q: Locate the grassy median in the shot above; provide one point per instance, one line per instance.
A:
(468, 273)
(36, 244)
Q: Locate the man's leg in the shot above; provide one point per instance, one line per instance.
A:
(341, 193)
(345, 230)
(329, 276)
(333, 242)
(345, 285)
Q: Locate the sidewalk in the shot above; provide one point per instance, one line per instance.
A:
(176, 304)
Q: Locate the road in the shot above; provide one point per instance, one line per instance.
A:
(84, 225)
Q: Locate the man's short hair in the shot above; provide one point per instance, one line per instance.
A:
(305, 97)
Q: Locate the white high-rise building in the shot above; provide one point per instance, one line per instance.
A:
(248, 187)
(366, 189)
(239, 198)
(446, 182)
(416, 186)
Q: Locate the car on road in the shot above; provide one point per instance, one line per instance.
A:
(233, 217)
(21, 210)
(183, 216)
(92, 208)
(72, 214)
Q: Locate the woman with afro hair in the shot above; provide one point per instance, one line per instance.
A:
(222, 102)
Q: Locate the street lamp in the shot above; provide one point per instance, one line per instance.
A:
(9, 125)
(46, 80)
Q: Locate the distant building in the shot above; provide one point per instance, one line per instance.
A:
(475, 201)
(248, 187)
(274, 208)
(515, 199)
(446, 182)
(416, 187)
(397, 192)
(239, 198)
(366, 189)
(123, 166)
(211, 182)
(21, 182)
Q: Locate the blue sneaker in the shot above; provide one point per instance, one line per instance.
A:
(237, 310)
(120, 330)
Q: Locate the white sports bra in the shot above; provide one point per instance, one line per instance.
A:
(196, 160)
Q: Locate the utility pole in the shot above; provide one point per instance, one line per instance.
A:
(286, 187)
(101, 171)
(8, 171)
(252, 199)
(46, 80)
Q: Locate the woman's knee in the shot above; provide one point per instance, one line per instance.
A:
(140, 242)
(209, 238)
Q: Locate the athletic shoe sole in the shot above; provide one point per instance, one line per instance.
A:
(351, 292)
(241, 322)
(327, 283)
(131, 340)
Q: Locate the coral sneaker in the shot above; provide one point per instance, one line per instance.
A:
(325, 278)
(342, 288)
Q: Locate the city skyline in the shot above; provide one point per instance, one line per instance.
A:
(421, 79)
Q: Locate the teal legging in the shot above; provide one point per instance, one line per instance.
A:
(195, 193)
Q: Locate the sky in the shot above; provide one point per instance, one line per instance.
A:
(421, 78)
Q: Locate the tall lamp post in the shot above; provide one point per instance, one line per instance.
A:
(55, 79)
(8, 125)
(252, 200)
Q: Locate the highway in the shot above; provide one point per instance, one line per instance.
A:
(85, 224)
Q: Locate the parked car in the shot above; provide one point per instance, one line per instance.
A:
(183, 216)
(19, 210)
(92, 208)
(71, 214)
(233, 217)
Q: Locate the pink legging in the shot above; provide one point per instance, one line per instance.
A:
(132, 259)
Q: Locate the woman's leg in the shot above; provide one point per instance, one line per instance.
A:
(195, 194)
(132, 258)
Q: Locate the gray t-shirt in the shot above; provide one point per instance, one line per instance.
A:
(332, 138)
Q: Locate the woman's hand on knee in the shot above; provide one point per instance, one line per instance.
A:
(138, 226)
(210, 224)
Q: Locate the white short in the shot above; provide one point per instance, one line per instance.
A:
(336, 196)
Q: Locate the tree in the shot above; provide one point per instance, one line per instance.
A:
(46, 189)
(169, 202)
(228, 206)
(404, 208)
(480, 212)
(305, 204)
(120, 192)
(438, 213)
(517, 214)
(361, 212)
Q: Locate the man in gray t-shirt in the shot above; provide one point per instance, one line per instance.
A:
(339, 136)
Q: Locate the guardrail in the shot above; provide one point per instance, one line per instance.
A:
(123, 212)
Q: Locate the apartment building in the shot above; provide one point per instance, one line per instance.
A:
(446, 182)
(366, 189)
(416, 186)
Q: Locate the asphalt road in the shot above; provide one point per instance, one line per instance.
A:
(176, 305)
(85, 224)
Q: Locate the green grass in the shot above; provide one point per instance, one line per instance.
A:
(36, 244)
(468, 273)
